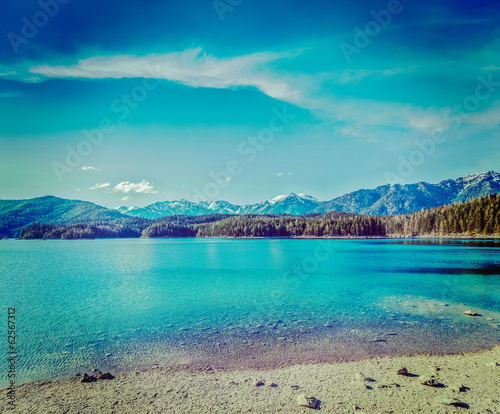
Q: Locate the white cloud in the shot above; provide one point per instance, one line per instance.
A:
(195, 68)
(226, 180)
(290, 173)
(428, 122)
(191, 67)
(99, 185)
(279, 174)
(126, 198)
(90, 169)
(144, 187)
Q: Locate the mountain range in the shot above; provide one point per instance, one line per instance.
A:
(383, 200)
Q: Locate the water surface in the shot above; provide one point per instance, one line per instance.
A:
(125, 304)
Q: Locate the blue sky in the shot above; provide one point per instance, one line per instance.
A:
(123, 103)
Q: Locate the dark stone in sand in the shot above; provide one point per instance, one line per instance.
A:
(86, 378)
(447, 400)
(403, 371)
(429, 381)
(304, 401)
(105, 376)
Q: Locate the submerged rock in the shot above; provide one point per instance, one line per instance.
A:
(304, 401)
(470, 313)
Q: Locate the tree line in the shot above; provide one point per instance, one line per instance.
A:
(476, 217)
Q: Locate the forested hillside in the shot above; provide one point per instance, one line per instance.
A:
(130, 227)
(17, 214)
(472, 218)
(476, 217)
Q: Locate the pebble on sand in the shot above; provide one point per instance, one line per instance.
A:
(447, 400)
(258, 383)
(361, 377)
(403, 371)
(86, 378)
(105, 376)
(304, 401)
(470, 313)
(429, 380)
(456, 387)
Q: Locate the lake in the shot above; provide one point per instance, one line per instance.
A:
(125, 304)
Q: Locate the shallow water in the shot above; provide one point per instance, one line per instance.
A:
(123, 304)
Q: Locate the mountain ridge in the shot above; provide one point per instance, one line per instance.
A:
(382, 200)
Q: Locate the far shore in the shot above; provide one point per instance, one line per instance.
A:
(391, 237)
(465, 382)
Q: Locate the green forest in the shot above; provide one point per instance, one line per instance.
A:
(472, 218)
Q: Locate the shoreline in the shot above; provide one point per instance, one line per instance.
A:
(368, 385)
(390, 237)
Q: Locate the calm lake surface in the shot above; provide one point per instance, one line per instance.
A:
(129, 303)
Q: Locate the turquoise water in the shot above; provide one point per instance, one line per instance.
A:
(125, 304)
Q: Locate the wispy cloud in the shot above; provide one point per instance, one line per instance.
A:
(90, 169)
(195, 68)
(144, 187)
(98, 186)
(279, 174)
(191, 67)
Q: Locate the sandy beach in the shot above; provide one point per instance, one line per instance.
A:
(467, 382)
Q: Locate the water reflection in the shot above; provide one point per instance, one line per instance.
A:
(447, 242)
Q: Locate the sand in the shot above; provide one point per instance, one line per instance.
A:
(368, 386)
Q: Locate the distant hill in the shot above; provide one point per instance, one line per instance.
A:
(16, 214)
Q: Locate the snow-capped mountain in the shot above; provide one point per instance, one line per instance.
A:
(383, 200)
(408, 198)
(284, 204)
